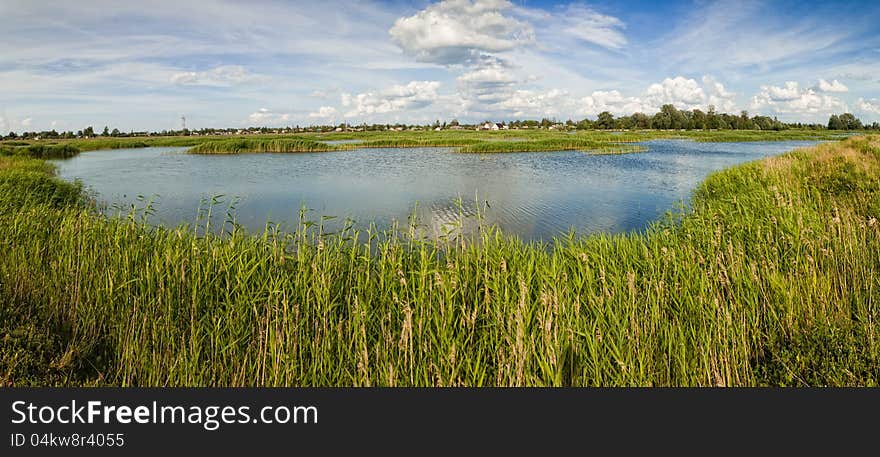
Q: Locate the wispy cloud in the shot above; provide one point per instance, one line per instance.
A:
(231, 63)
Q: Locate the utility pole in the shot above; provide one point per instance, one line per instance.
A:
(182, 122)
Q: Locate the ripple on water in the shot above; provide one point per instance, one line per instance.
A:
(533, 195)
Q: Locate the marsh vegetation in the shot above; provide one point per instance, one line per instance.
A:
(771, 278)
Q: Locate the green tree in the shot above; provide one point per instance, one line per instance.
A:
(834, 123)
(698, 119)
(850, 122)
(641, 121)
(713, 121)
(605, 120)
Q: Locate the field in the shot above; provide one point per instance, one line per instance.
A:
(773, 278)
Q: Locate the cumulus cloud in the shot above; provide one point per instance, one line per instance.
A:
(791, 91)
(323, 112)
(868, 106)
(26, 122)
(683, 93)
(792, 99)
(833, 86)
(532, 103)
(412, 96)
(612, 101)
(719, 97)
(224, 75)
(460, 31)
(265, 116)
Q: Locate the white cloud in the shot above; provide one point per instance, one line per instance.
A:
(612, 101)
(460, 31)
(324, 112)
(588, 25)
(790, 92)
(412, 96)
(529, 103)
(26, 122)
(224, 75)
(793, 99)
(266, 117)
(683, 93)
(833, 86)
(868, 106)
(719, 97)
(731, 28)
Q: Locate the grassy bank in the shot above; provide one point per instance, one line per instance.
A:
(243, 145)
(594, 141)
(554, 144)
(773, 278)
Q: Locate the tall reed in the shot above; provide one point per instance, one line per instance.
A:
(772, 277)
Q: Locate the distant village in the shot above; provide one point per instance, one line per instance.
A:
(89, 132)
(668, 118)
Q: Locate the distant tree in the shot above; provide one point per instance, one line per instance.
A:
(834, 123)
(713, 121)
(605, 120)
(106, 131)
(698, 118)
(669, 118)
(584, 124)
(640, 121)
(743, 122)
(850, 122)
(12, 135)
(115, 132)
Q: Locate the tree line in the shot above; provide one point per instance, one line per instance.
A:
(668, 118)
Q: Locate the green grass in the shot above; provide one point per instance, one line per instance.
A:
(554, 144)
(41, 151)
(241, 145)
(594, 141)
(772, 278)
(469, 141)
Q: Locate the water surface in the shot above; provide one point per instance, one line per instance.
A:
(532, 195)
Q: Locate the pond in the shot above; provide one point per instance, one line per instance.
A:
(532, 195)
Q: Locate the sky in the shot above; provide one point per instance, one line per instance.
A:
(142, 65)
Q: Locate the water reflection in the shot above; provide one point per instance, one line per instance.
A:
(532, 195)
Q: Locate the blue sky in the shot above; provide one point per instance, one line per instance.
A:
(66, 65)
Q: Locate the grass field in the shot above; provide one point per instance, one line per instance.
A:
(771, 278)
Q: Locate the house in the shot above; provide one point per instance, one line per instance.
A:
(491, 126)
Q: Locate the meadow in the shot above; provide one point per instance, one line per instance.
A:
(770, 277)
